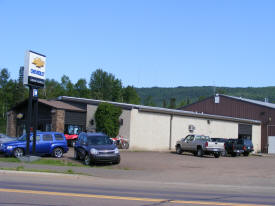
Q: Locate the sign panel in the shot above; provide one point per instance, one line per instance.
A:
(34, 69)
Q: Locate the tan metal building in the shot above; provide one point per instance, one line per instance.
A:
(153, 128)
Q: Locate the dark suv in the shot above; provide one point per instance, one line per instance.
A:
(96, 147)
(246, 145)
(51, 143)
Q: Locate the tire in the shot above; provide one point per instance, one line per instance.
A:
(18, 152)
(178, 149)
(116, 162)
(58, 152)
(233, 154)
(246, 154)
(195, 153)
(73, 143)
(224, 153)
(76, 156)
(199, 152)
(125, 145)
(217, 155)
(87, 160)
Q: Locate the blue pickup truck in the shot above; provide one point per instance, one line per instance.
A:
(47, 143)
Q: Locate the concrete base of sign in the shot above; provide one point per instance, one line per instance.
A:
(29, 158)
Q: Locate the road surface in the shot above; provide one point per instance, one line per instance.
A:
(41, 189)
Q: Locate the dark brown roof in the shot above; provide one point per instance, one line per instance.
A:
(60, 105)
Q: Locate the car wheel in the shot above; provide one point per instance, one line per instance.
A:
(116, 162)
(73, 143)
(224, 153)
(18, 152)
(234, 154)
(246, 154)
(87, 159)
(217, 155)
(178, 149)
(125, 145)
(199, 152)
(58, 152)
(76, 156)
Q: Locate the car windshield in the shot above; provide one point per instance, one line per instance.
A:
(99, 140)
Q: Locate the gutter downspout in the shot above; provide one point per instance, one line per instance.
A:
(170, 137)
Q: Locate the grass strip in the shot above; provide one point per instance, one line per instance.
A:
(22, 168)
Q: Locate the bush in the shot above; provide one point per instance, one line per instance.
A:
(107, 119)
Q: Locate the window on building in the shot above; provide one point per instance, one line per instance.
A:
(73, 129)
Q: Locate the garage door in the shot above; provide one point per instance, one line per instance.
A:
(271, 145)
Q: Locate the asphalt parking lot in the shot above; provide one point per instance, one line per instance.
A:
(169, 166)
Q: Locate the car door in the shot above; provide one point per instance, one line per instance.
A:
(45, 143)
(186, 144)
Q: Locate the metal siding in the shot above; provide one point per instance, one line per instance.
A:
(75, 118)
(239, 109)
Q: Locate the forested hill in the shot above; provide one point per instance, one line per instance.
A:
(158, 96)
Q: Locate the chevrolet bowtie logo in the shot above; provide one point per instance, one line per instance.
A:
(38, 62)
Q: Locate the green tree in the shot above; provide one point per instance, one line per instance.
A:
(4, 94)
(149, 101)
(52, 90)
(67, 85)
(172, 103)
(81, 89)
(182, 103)
(105, 86)
(130, 95)
(164, 104)
(107, 119)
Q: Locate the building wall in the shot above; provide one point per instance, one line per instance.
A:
(151, 131)
(58, 118)
(124, 130)
(235, 108)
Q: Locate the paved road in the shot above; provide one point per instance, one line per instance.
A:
(65, 190)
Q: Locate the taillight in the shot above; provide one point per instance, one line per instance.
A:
(206, 144)
(244, 148)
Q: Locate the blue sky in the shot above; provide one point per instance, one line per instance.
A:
(145, 43)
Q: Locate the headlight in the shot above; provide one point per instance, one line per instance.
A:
(9, 147)
(116, 151)
(94, 151)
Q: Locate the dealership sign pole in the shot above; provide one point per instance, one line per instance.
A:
(34, 78)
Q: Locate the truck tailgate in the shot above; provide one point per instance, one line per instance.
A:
(215, 145)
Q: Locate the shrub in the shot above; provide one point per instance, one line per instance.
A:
(107, 119)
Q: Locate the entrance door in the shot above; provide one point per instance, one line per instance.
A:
(271, 145)
(245, 131)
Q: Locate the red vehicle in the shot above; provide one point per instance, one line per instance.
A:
(71, 138)
(71, 133)
(121, 142)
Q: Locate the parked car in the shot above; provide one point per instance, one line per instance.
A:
(5, 138)
(233, 148)
(199, 145)
(96, 147)
(223, 140)
(52, 143)
(246, 145)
